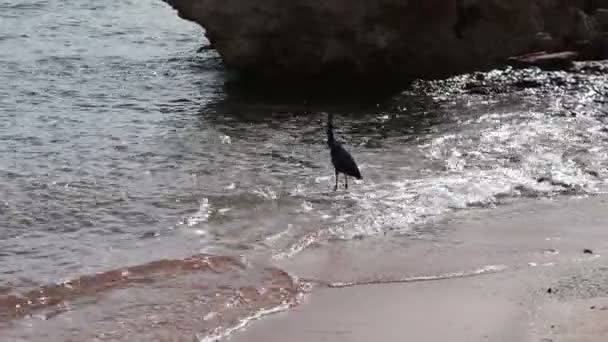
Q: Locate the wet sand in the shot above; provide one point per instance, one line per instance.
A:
(531, 271)
(167, 300)
(540, 284)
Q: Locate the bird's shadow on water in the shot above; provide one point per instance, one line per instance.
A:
(372, 111)
(265, 98)
(366, 110)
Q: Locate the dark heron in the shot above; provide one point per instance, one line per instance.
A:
(342, 160)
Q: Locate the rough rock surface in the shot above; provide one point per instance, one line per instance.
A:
(414, 38)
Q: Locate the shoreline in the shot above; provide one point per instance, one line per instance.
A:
(530, 270)
(541, 246)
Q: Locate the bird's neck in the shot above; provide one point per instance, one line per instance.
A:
(331, 141)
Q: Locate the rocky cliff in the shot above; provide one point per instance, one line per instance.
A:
(416, 38)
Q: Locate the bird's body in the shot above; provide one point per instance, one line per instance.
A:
(342, 161)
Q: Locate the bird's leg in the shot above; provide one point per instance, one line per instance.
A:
(345, 182)
(336, 187)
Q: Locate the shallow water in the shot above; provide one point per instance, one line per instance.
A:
(119, 145)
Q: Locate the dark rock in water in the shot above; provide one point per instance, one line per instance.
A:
(398, 38)
(205, 47)
(148, 235)
(567, 187)
(482, 88)
(587, 251)
(549, 290)
(472, 85)
(527, 83)
(477, 88)
(594, 67)
(480, 76)
(593, 173)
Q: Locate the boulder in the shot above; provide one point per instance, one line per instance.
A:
(401, 38)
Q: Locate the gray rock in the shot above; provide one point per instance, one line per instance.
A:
(430, 38)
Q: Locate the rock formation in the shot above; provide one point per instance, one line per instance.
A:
(404, 38)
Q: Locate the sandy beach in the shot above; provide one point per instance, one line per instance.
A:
(531, 271)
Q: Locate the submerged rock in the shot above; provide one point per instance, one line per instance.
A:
(428, 38)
